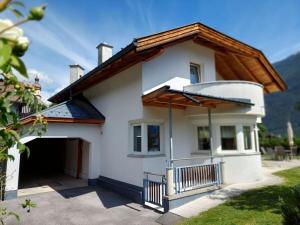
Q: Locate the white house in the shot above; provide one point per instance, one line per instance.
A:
(166, 119)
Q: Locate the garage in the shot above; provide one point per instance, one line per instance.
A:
(53, 164)
(65, 156)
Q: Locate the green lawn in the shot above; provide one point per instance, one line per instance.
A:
(258, 206)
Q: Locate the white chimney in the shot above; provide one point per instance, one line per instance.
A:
(76, 71)
(104, 52)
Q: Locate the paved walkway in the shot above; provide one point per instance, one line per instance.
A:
(81, 206)
(218, 197)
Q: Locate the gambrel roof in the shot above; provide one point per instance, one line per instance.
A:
(234, 60)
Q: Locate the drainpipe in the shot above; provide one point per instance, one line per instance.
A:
(170, 168)
(210, 134)
(171, 134)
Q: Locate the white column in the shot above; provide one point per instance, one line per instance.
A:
(170, 181)
(256, 138)
(12, 171)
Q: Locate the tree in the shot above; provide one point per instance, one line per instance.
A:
(13, 45)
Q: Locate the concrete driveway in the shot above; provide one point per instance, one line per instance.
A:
(81, 206)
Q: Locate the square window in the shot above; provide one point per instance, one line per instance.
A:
(153, 138)
(228, 138)
(137, 138)
(247, 137)
(203, 138)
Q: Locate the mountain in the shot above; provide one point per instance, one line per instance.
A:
(281, 106)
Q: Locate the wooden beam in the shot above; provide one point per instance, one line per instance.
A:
(222, 65)
(244, 67)
(164, 105)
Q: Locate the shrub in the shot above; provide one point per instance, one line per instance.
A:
(291, 208)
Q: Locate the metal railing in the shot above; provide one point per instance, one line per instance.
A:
(197, 176)
(154, 190)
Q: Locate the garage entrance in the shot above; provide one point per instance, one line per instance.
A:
(53, 164)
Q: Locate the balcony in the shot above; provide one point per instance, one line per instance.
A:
(234, 89)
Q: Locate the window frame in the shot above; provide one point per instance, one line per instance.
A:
(197, 137)
(235, 136)
(144, 139)
(199, 69)
(251, 134)
(133, 138)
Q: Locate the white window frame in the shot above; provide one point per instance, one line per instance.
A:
(144, 138)
(252, 134)
(197, 141)
(236, 139)
(200, 72)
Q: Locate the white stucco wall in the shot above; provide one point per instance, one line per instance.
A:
(119, 99)
(71, 152)
(172, 67)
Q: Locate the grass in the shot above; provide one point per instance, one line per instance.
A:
(255, 207)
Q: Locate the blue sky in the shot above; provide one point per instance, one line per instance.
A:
(72, 29)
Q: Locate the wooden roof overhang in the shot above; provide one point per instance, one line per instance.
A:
(164, 96)
(31, 119)
(234, 60)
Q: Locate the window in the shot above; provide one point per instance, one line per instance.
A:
(195, 73)
(146, 138)
(137, 138)
(247, 137)
(203, 138)
(153, 138)
(228, 138)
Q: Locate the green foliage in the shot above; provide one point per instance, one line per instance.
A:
(12, 47)
(5, 213)
(291, 208)
(28, 204)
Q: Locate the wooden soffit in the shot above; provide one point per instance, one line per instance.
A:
(164, 96)
(31, 119)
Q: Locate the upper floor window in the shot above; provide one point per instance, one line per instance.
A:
(195, 75)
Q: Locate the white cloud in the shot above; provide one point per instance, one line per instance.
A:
(44, 79)
(285, 52)
(55, 36)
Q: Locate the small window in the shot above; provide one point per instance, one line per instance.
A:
(228, 138)
(247, 137)
(137, 138)
(195, 73)
(203, 138)
(153, 138)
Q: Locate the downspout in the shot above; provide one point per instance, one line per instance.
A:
(210, 134)
(171, 135)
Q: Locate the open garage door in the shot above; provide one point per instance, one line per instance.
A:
(53, 164)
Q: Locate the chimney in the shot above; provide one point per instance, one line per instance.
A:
(104, 52)
(76, 71)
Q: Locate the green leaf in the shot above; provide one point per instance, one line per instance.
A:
(18, 64)
(21, 147)
(17, 13)
(5, 52)
(17, 3)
